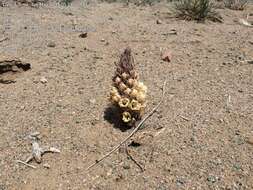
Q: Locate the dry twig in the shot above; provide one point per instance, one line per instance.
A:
(25, 163)
(131, 158)
(3, 39)
(185, 118)
(132, 133)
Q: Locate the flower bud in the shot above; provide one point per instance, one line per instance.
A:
(134, 93)
(115, 98)
(127, 91)
(122, 86)
(141, 87)
(114, 91)
(117, 80)
(130, 82)
(141, 97)
(125, 76)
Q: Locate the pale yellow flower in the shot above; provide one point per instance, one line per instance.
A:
(134, 105)
(126, 117)
(123, 102)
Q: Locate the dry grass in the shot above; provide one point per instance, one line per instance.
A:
(198, 10)
(236, 4)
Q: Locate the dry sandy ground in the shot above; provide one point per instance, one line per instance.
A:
(201, 137)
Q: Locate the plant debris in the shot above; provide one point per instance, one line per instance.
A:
(37, 151)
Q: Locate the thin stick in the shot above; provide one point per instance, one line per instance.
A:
(185, 118)
(133, 132)
(131, 157)
(29, 165)
(3, 39)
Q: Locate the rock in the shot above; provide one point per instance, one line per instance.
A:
(83, 35)
(109, 173)
(249, 140)
(43, 80)
(166, 56)
(46, 166)
(92, 101)
(118, 177)
(237, 166)
(68, 13)
(179, 182)
(126, 167)
(51, 44)
(250, 61)
(10, 67)
(211, 179)
(102, 40)
(158, 21)
(134, 144)
(173, 32)
(35, 134)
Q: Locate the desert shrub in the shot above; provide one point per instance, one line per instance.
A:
(147, 2)
(65, 2)
(236, 4)
(198, 10)
(136, 2)
(111, 1)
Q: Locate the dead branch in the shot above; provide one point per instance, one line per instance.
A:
(132, 133)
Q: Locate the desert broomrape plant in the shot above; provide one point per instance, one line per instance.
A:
(128, 94)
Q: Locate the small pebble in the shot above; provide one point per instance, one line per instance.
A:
(211, 179)
(237, 166)
(179, 182)
(166, 56)
(51, 44)
(35, 134)
(83, 35)
(68, 13)
(92, 101)
(118, 177)
(126, 167)
(43, 80)
(173, 32)
(109, 173)
(46, 166)
(249, 140)
(158, 21)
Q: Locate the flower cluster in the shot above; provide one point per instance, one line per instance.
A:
(128, 93)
